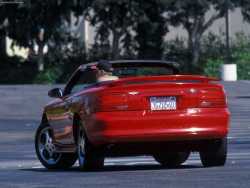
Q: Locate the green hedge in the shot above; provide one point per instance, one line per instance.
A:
(241, 59)
(15, 71)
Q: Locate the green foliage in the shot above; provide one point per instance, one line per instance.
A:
(242, 60)
(194, 17)
(135, 27)
(152, 27)
(49, 76)
(124, 29)
(245, 7)
(59, 73)
(213, 67)
(23, 23)
(16, 71)
(212, 54)
(111, 18)
(26, 19)
(61, 62)
(212, 46)
(176, 50)
(240, 57)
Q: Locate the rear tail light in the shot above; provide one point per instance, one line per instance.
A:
(112, 102)
(213, 98)
(213, 103)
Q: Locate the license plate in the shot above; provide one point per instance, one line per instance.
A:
(163, 103)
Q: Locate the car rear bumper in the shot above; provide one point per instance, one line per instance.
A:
(147, 126)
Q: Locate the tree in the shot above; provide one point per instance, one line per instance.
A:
(150, 29)
(37, 22)
(245, 7)
(128, 26)
(4, 13)
(192, 16)
(113, 20)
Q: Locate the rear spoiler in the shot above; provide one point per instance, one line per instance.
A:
(170, 78)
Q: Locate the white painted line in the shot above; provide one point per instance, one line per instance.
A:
(194, 159)
(140, 163)
(128, 159)
(37, 167)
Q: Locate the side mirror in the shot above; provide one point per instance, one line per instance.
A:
(55, 93)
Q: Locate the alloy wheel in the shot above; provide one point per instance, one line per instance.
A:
(47, 149)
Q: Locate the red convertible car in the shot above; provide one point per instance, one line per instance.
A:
(150, 110)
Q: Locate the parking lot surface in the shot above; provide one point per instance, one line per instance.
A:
(19, 167)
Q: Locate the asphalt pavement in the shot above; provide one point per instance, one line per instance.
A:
(19, 167)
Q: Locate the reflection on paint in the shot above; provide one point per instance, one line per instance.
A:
(66, 132)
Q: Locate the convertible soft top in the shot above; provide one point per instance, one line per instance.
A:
(173, 65)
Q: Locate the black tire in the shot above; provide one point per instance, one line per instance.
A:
(173, 159)
(215, 153)
(90, 157)
(57, 160)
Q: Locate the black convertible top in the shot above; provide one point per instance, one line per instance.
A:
(116, 63)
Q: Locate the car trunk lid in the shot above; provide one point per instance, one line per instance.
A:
(162, 93)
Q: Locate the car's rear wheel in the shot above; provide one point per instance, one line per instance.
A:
(215, 153)
(172, 159)
(89, 156)
(46, 150)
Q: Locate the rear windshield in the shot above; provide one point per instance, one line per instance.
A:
(134, 71)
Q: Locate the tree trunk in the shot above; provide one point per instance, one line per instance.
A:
(40, 57)
(2, 44)
(115, 45)
(195, 50)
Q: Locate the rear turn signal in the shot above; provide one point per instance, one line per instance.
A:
(213, 103)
